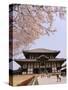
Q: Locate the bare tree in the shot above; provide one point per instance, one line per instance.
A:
(29, 22)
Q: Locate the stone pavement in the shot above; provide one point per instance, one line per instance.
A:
(18, 79)
(50, 80)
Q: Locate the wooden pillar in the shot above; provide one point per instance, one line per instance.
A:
(56, 67)
(39, 67)
(33, 67)
(22, 69)
(60, 65)
(27, 68)
(30, 68)
(52, 67)
(45, 66)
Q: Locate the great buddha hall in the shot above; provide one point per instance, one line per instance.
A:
(40, 60)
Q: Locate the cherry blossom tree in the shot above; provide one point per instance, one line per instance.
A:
(29, 22)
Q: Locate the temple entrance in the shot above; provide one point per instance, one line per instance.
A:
(36, 70)
(49, 70)
(45, 70)
(42, 70)
(42, 61)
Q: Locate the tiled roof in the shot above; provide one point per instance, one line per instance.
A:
(40, 50)
(26, 60)
(57, 59)
(33, 60)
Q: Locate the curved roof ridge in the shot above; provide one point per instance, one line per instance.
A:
(40, 50)
(43, 56)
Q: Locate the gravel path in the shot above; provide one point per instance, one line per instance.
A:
(50, 80)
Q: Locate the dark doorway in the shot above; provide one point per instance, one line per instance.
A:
(49, 70)
(24, 70)
(42, 70)
(36, 70)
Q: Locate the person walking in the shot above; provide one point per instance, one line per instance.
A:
(58, 78)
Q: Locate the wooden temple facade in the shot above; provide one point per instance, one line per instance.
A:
(40, 61)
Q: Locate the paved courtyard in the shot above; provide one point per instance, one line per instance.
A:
(18, 79)
(50, 80)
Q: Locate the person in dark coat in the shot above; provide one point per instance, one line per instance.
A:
(58, 78)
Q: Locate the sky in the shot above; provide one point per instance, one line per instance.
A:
(56, 41)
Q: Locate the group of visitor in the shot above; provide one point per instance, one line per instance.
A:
(48, 76)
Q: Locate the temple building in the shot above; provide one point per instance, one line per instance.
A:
(40, 61)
